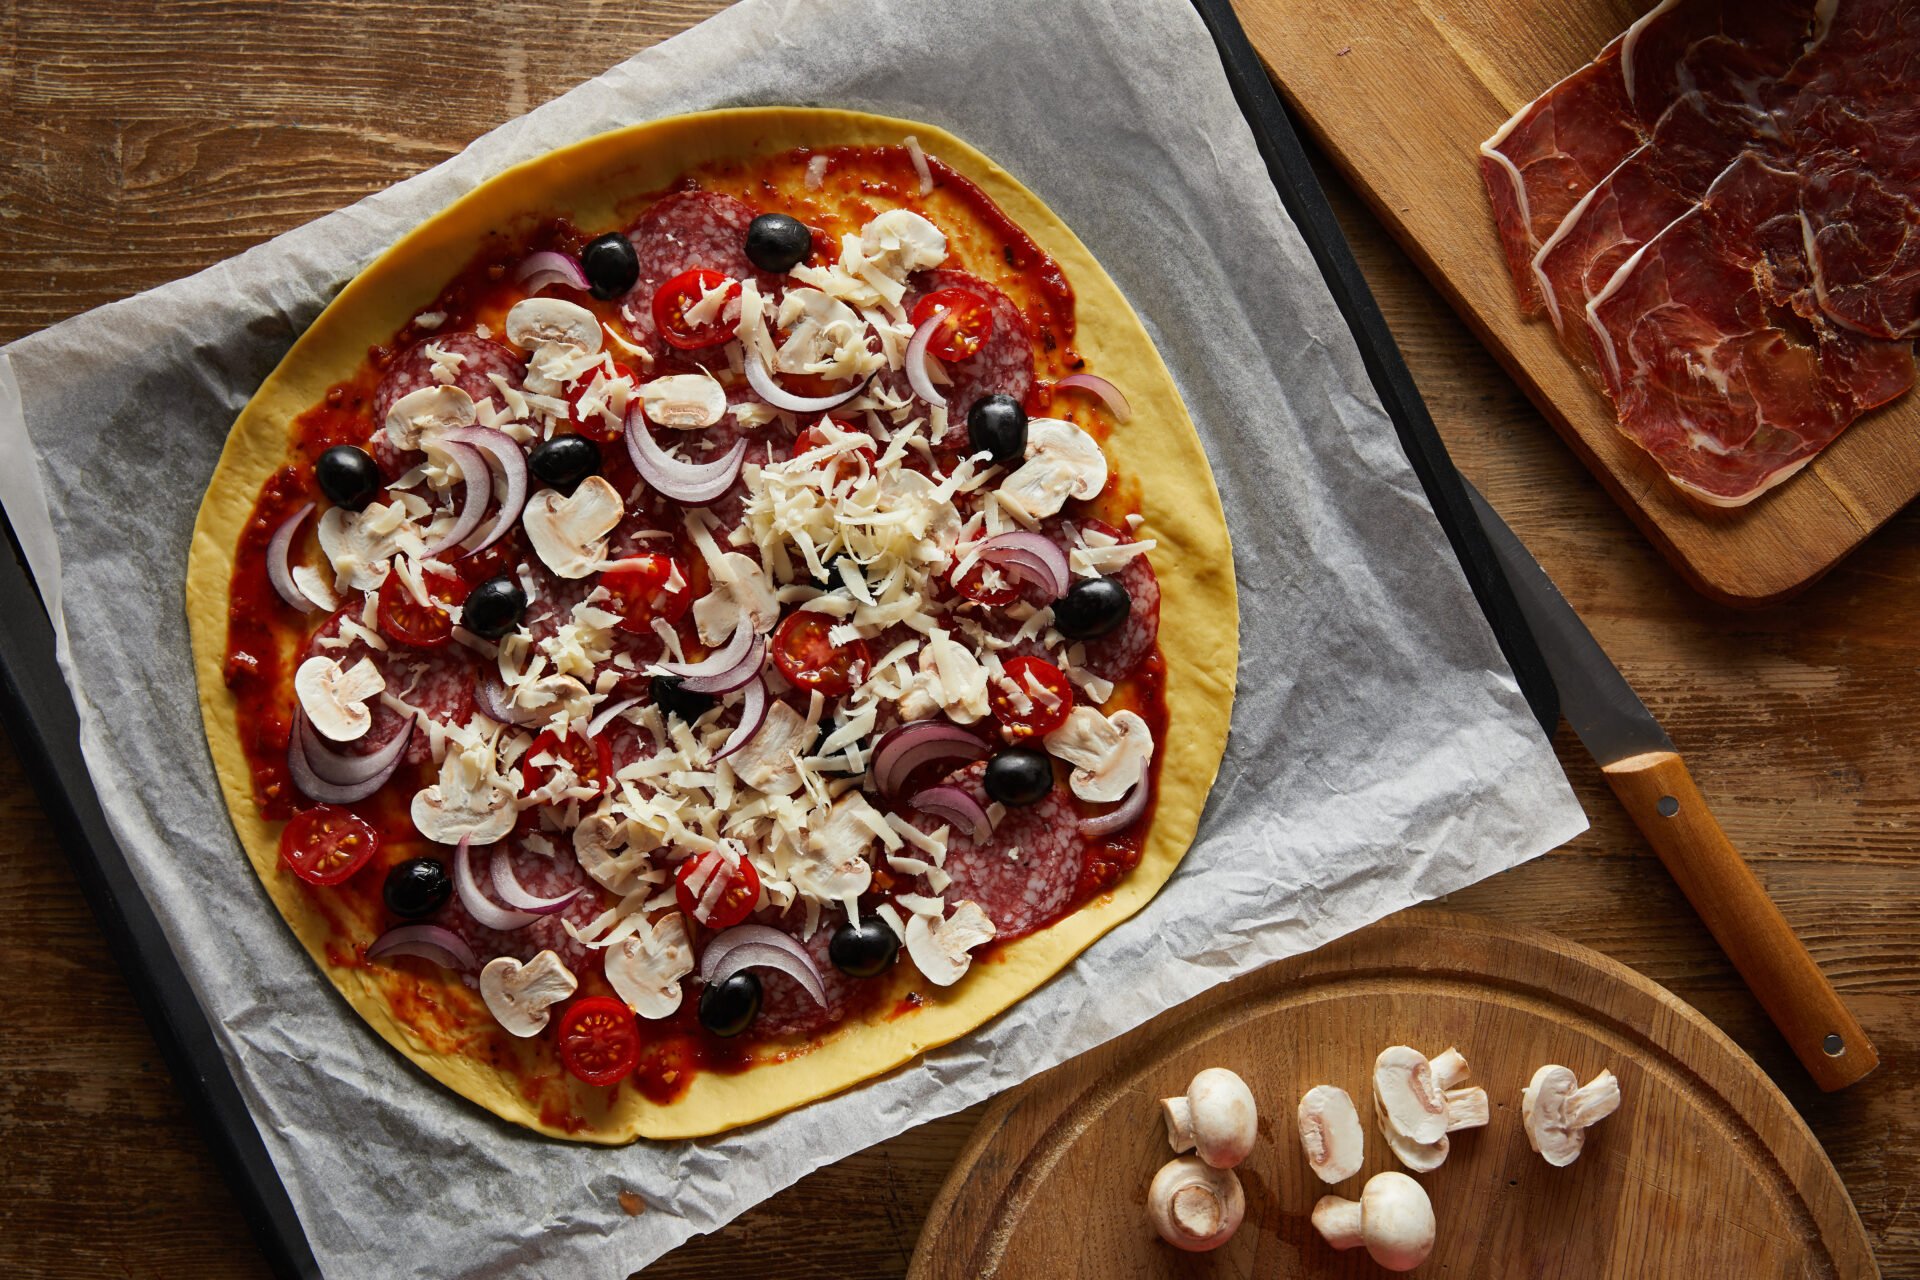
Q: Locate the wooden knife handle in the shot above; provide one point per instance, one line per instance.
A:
(1663, 801)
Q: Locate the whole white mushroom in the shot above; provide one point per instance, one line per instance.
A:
(1393, 1218)
(1195, 1206)
(1215, 1120)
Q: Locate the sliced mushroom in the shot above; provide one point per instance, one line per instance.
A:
(1195, 1206)
(940, 948)
(549, 696)
(360, 544)
(1109, 754)
(825, 337)
(1405, 1092)
(613, 849)
(900, 242)
(951, 681)
(1215, 1120)
(1557, 1115)
(1421, 1157)
(766, 762)
(418, 416)
(336, 701)
(645, 967)
(836, 867)
(741, 595)
(1393, 1218)
(535, 322)
(569, 531)
(1062, 462)
(521, 994)
(687, 401)
(1330, 1133)
(469, 802)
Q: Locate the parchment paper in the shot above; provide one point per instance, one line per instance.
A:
(1381, 753)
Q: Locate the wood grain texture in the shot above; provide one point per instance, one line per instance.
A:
(1705, 1170)
(1409, 142)
(1665, 802)
(142, 142)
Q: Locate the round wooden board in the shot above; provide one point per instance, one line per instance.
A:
(1706, 1170)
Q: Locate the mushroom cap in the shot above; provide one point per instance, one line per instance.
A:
(1406, 1095)
(426, 412)
(1222, 1116)
(1330, 1133)
(1396, 1220)
(1062, 462)
(569, 531)
(535, 322)
(1195, 1206)
(900, 242)
(645, 967)
(941, 949)
(1421, 1157)
(686, 401)
(1109, 754)
(1543, 1113)
(519, 995)
(336, 700)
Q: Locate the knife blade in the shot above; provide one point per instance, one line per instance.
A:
(1645, 771)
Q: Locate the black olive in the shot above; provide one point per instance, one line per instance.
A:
(1019, 775)
(348, 476)
(996, 424)
(778, 243)
(564, 461)
(864, 950)
(1092, 607)
(728, 1008)
(417, 887)
(611, 265)
(493, 608)
(675, 701)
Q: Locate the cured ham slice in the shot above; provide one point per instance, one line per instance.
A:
(1716, 359)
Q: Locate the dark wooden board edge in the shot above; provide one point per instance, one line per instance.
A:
(41, 721)
(44, 728)
(1307, 205)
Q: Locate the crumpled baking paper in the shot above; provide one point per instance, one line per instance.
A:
(1381, 753)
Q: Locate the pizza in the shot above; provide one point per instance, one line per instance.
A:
(717, 611)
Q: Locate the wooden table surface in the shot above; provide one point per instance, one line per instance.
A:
(140, 142)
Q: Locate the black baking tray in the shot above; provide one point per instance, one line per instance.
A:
(40, 717)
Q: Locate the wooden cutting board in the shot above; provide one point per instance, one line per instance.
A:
(1705, 1171)
(1400, 93)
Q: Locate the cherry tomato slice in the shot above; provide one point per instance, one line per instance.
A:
(966, 324)
(590, 758)
(404, 618)
(647, 586)
(599, 1040)
(737, 892)
(496, 560)
(810, 660)
(1037, 718)
(842, 465)
(973, 585)
(325, 845)
(670, 306)
(594, 425)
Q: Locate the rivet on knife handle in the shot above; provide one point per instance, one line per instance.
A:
(1658, 792)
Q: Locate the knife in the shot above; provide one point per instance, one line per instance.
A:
(1640, 763)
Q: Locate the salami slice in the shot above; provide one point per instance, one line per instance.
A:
(413, 369)
(439, 682)
(1024, 873)
(544, 877)
(785, 1007)
(685, 230)
(1004, 363)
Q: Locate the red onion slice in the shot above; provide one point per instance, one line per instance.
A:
(692, 483)
(507, 885)
(503, 449)
(314, 787)
(723, 659)
(341, 768)
(479, 486)
(428, 941)
(491, 697)
(955, 805)
(756, 946)
(918, 375)
(1116, 403)
(1031, 557)
(278, 573)
(902, 750)
(1121, 816)
(735, 676)
(767, 389)
(605, 718)
(538, 270)
(753, 714)
(478, 905)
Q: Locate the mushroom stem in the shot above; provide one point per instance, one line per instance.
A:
(1468, 1108)
(1339, 1222)
(1449, 1069)
(1178, 1114)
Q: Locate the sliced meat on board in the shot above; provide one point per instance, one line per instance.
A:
(1714, 363)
